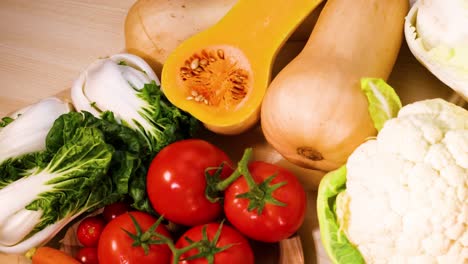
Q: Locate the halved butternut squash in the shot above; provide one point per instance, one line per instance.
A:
(221, 74)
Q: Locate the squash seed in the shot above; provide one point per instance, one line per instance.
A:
(194, 64)
(220, 54)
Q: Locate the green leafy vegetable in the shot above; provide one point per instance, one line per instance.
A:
(138, 191)
(56, 164)
(336, 244)
(130, 156)
(384, 102)
(72, 182)
(125, 85)
(77, 171)
(14, 169)
(88, 162)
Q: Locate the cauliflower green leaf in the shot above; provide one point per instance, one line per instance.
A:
(337, 245)
(384, 102)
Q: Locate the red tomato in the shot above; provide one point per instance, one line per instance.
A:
(275, 222)
(176, 181)
(87, 255)
(89, 230)
(116, 246)
(111, 211)
(239, 252)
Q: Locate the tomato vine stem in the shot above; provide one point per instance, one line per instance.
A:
(206, 248)
(259, 194)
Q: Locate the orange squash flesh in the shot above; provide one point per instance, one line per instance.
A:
(221, 74)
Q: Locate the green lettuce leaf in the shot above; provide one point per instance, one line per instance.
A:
(334, 240)
(384, 102)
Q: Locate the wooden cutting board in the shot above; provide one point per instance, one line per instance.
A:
(44, 44)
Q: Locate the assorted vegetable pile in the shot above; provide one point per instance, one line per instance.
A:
(58, 163)
(129, 164)
(193, 184)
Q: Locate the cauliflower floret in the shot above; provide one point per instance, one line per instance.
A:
(407, 190)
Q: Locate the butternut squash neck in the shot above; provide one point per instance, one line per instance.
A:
(324, 42)
(262, 26)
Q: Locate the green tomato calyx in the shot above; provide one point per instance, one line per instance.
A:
(148, 237)
(259, 194)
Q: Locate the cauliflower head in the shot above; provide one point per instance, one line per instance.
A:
(406, 198)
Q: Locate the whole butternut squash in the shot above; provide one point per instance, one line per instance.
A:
(314, 112)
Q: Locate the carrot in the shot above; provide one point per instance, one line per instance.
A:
(48, 255)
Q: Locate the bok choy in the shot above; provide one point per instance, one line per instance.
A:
(48, 176)
(69, 163)
(56, 164)
(41, 192)
(125, 85)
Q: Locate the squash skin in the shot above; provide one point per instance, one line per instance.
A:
(330, 117)
(263, 21)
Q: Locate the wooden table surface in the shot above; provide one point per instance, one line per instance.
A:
(44, 44)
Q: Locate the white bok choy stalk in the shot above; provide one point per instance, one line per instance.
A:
(437, 34)
(125, 85)
(25, 131)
